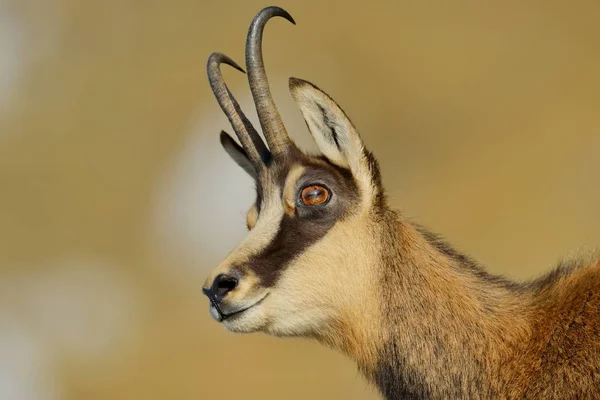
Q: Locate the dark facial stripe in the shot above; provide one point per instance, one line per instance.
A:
(308, 224)
(293, 237)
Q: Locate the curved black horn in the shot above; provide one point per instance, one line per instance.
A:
(270, 120)
(251, 142)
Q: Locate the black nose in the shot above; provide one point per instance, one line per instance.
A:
(223, 284)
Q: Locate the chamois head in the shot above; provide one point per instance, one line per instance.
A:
(304, 266)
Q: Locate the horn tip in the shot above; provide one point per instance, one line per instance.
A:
(232, 63)
(286, 15)
(236, 66)
(273, 11)
(216, 58)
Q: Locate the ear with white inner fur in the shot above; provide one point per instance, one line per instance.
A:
(334, 133)
(238, 154)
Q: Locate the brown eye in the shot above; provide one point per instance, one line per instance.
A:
(314, 195)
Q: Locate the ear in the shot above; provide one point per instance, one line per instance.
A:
(238, 154)
(329, 126)
(334, 133)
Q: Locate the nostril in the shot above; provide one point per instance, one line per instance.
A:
(224, 284)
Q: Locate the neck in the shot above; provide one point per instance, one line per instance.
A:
(448, 329)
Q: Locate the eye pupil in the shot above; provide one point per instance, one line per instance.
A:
(314, 195)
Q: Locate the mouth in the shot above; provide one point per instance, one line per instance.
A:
(222, 316)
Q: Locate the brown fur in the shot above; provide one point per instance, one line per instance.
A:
(452, 331)
(421, 320)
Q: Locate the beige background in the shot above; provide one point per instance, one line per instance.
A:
(116, 199)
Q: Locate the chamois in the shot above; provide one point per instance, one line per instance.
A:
(326, 258)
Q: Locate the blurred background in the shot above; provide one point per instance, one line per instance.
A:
(116, 198)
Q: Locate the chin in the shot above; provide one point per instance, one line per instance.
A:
(252, 320)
